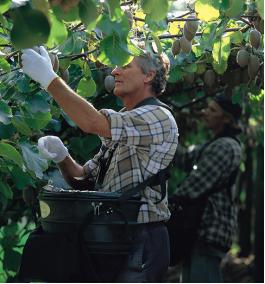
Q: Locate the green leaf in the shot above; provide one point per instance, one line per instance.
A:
(86, 87)
(10, 230)
(156, 26)
(33, 160)
(58, 33)
(84, 146)
(23, 84)
(235, 8)
(236, 37)
(206, 10)
(157, 9)
(37, 103)
(4, 6)
(115, 11)
(190, 68)
(31, 27)
(69, 16)
(260, 8)
(6, 190)
(133, 49)
(219, 67)
(11, 260)
(21, 125)
(38, 120)
(108, 27)
(4, 65)
(7, 131)
(5, 113)
(224, 4)
(221, 49)
(9, 152)
(175, 74)
(157, 43)
(20, 178)
(88, 13)
(114, 51)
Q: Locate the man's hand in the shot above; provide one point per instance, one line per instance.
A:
(52, 148)
(38, 66)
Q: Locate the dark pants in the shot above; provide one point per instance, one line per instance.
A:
(203, 265)
(149, 258)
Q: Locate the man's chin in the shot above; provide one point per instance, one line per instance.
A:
(117, 93)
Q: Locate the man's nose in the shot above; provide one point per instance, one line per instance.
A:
(116, 71)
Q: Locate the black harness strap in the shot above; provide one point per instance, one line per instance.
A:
(158, 179)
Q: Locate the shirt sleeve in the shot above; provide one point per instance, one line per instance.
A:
(91, 166)
(212, 169)
(140, 127)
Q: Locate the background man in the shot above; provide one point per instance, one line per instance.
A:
(146, 139)
(213, 166)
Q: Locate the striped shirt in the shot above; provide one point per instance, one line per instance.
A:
(147, 139)
(214, 167)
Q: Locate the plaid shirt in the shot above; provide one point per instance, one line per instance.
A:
(147, 139)
(214, 167)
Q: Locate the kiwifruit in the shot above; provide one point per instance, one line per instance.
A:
(254, 38)
(192, 26)
(176, 47)
(242, 58)
(189, 78)
(188, 35)
(209, 78)
(109, 83)
(55, 61)
(64, 74)
(253, 66)
(185, 45)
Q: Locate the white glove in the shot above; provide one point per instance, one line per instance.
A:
(38, 66)
(52, 148)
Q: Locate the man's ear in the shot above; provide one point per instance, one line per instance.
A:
(150, 76)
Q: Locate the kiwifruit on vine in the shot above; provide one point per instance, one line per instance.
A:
(189, 78)
(253, 66)
(192, 26)
(242, 58)
(109, 83)
(176, 47)
(185, 45)
(64, 74)
(255, 38)
(188, 35)
(55, 61)
(209, 78)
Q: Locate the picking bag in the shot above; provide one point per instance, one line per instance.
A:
(103, 223)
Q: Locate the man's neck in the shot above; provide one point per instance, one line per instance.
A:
(130, 102)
